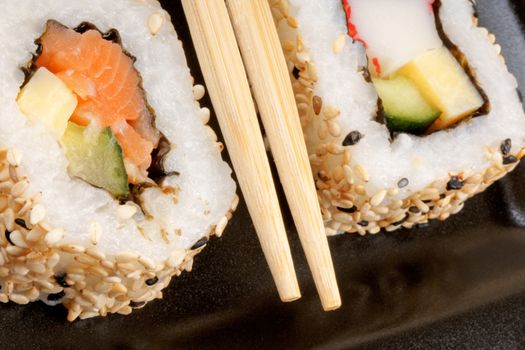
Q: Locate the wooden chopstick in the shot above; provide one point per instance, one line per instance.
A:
(266, 66)
(225, 77)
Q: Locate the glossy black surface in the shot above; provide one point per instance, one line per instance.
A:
(455, 284)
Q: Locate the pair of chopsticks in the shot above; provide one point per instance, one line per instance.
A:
(212, 30)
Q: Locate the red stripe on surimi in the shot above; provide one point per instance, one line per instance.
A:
(352, 30)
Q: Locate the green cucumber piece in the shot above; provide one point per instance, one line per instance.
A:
(405, 108)
(96, 159)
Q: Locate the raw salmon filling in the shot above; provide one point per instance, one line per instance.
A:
(100, 94)
(107, 84)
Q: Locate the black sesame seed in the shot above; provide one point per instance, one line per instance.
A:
(400, 221)
(509, 160)
(506, 147)
(423, 225)
(61, 280)
(8, 237)
(295, 72)
(414, 210)
(21, 223)
(137, 304)
(348, 210)
(455, 183)
(322, 175)
(363, 223)
(56, 297)
(201, 242)
(402, 183)
(352, 138)
(442, 195)
(152, 281)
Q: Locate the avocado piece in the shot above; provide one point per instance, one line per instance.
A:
(405, 108)
(96, 157)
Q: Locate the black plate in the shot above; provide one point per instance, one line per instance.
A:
(456, 283)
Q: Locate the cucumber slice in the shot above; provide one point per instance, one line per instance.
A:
(406, 110)
(96, 158)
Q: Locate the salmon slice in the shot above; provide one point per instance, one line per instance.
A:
(135, 148)
(108, 85)
(81, 85)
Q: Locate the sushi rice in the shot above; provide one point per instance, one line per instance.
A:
(367, 182)
(68, 242)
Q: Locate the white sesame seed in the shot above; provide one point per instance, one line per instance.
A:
(176, 258)
(53, 260)
(38, 213)
(148, 263)
(14, 157)
(126, 310)
(134, 275)
(73, 314)
(292, 22)
(392, 192)
(4, 272)
(72, 248)
(86, 259)
(4, 174)
(361, 172)
(322, 132)
(95, 253)
(421, 206)
(126, 212)
(95, 231)
(83, 302)
(20, 269)
(457, 209)
(45, 284)
(221, 226)
(289, 45)
(15, 251)
(19, 188)
(53, 236)
(17, 238)
(9, 218)
(88, 314)
(360, 190)
(98, 270)
(4, 298)
(126, 257)
(79, 270)
(108, 264)
(19, 299)
(113, 279)
(119, 288)
(155, 22)
(378, 198)
(126, 267)
(302, 57)
(334, 129)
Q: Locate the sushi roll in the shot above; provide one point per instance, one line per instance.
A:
(110, 179)
(407, 107)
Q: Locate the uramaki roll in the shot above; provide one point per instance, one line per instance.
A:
(407, 106)
(110, 179)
